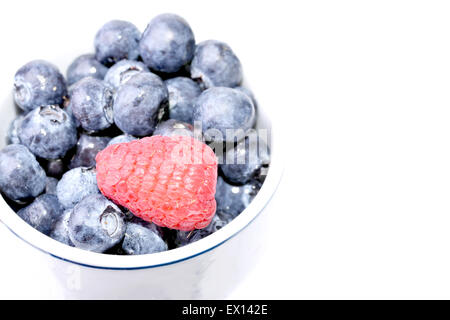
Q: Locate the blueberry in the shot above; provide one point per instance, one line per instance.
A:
(232, 200)
(215, 65)
(38, 83)
(60, 230)
(50, 185)
(248, 92)
(68, 110)
(121, 139)
(85, 66)
(186, 237)
(122, 71)
(21, 176)
(75, 185)
(115, 41)
(42, 213)
(96, 224)
(49, 132)
(224, 113)
(167, 43)
(182, 94)
(91, 103)
(13, 135)
(87, 149)
(55, 168)
(173, 127)
(140, 103)
(143, 238)
(245, 161)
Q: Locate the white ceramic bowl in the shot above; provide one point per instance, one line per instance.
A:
(209, 268)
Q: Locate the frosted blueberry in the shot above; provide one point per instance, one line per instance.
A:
(91, 104)
(122, 71)
(21, 176)
(121, 139)
(75, 185)
(232, 200)
(248, 92)
(12, 135)
(140, 104)
(143, 238)
(215, 65)
(173, 127)
(38, 83)
(43, 213)
(85, 66)
(49, 132)
(117, 40)
(96, 224)
(182, 94)
(50, 185)
(224, 113)
(68, 110)
(60, 230)
(244, 162)
(87, 149)
(186, 237)
(167, 43)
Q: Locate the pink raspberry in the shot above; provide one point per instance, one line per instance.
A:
(170, 181)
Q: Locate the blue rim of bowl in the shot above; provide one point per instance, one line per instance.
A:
(162, 264)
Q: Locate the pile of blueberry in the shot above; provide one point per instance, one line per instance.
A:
(159, 82)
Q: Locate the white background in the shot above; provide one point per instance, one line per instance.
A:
(362, 90)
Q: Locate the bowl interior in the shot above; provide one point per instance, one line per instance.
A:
(8, 111)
